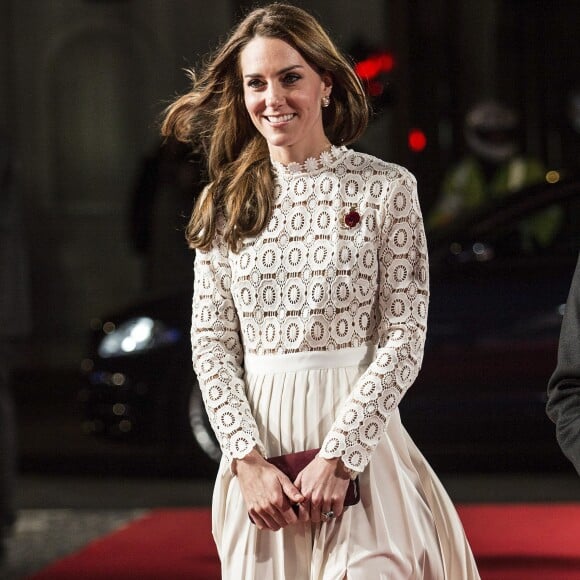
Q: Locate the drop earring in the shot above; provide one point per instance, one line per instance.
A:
(325, 101)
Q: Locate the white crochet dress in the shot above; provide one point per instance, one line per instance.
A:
(309, 337)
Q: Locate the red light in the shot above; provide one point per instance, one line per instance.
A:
(387, 62)
(367, 69)
(372, 67)
(417, 140)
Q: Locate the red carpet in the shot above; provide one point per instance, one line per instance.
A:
(163, 545)
(510, 542)
(524, 542)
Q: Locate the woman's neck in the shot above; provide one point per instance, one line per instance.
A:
(288, 155)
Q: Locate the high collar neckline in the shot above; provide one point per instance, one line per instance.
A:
(326, 160)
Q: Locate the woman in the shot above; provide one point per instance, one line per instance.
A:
(309, 317)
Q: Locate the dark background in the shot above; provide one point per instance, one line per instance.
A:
(82, 84)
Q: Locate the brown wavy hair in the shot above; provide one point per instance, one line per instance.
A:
(213, 115)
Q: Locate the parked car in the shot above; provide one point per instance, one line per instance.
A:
(498, 287)
(499, 282)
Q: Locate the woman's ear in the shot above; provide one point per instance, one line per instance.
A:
(327, 80)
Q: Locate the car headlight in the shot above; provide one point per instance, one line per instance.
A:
(137, 335)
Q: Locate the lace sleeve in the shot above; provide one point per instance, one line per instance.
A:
(218, 354)
(402, 311)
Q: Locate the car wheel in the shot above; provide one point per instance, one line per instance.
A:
(200, 425)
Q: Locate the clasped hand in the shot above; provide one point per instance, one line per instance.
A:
(274, 502)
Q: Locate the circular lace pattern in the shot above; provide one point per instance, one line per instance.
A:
(311, 281)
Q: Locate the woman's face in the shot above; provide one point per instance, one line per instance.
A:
(283, 96)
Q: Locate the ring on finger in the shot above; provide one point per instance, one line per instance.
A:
(327, 515)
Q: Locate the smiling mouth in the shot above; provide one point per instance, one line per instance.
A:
(278, 119)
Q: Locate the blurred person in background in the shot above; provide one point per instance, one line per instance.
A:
(563, 405)
(14, 324)
(309, 317)
(494, 167)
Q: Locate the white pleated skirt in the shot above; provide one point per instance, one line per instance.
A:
(405, 526)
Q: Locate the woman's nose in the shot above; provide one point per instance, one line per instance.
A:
(274, 96)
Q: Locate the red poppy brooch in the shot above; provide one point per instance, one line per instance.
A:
(351, 219)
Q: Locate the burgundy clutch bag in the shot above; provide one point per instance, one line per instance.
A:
(291, 464)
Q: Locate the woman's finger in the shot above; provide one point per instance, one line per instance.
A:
(269, 521)
(326, 512)
(277, 516)
(289, 513)
(290, 490)
(258, 521)
(303, 511)
(315, 509)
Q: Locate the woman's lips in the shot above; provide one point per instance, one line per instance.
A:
(279, 119)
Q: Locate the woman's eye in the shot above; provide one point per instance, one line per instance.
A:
(291, 78)
(254, 83)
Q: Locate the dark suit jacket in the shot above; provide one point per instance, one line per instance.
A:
(564, 386)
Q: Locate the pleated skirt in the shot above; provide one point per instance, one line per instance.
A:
(405, 526)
